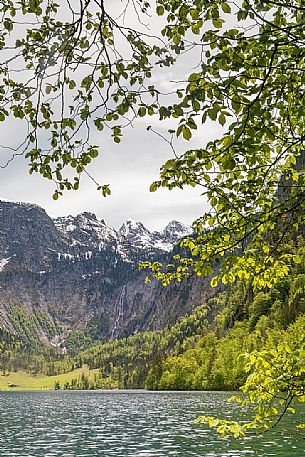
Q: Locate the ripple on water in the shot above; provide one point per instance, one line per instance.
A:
(127, 424)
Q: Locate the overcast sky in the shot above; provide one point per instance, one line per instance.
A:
(129, 167)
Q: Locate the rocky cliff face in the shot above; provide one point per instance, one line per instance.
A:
(77, 271)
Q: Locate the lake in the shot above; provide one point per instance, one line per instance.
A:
(129, 424)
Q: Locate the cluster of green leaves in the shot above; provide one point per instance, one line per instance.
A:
(77, 69)
(249, 80)
(276, 381)
(238, 321)
(65, 73)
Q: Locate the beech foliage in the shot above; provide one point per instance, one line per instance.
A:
(69, 69)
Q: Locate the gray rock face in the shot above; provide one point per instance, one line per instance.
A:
(77, 270)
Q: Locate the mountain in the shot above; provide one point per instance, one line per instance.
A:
(75, 272)
(141, 238)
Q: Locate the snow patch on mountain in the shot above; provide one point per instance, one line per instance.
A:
(136, 234)
(176, 230)
(140, 237)
(86, 231)
(4, 262)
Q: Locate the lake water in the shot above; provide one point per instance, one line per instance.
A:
(129, 424)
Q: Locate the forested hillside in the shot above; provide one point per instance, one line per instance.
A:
(199, 352)
(77, 273)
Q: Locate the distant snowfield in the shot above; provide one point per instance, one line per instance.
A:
(133, 232)
(3, 262)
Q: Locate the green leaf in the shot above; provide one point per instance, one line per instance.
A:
(222, 119)
(186, 132)
(160, 10)
(8, 24)
(217, 23)
(153, 187)
(226, 8)
(214, 282)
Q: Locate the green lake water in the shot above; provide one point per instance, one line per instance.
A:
(130, 424)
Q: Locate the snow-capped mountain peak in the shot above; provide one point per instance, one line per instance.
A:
(176, 230)
(86, 229)
(131, 227)
(136, 234)
(82, 273)
(141, 238)
(87, 233)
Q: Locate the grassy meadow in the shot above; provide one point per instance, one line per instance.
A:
(25, 381)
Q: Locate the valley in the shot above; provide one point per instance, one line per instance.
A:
(77, 314)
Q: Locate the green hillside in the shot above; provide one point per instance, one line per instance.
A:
(199, 352)
(25, 381)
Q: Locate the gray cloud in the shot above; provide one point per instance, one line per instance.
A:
(129, 168)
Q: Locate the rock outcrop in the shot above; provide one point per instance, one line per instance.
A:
(78, 271)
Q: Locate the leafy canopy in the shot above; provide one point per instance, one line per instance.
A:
(275, 385)
(251, 81)
(70, 69)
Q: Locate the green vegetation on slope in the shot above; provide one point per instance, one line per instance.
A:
(199, 352)
(25, 381)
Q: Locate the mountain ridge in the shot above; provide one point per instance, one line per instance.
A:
(79, 272)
